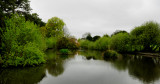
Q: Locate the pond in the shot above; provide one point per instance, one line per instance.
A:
(86, 67)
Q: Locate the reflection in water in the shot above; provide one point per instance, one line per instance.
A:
(30, 75)
(90, 54)
(144, 69)
(87, 67)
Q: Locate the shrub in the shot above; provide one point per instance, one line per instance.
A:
(51, 42)
(23, 43)
(64, 51)
(110, 54)
(102, 43)
(67, 43)
(121, 42)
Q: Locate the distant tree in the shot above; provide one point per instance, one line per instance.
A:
(147, 35)
(67, 43)
(121, 42)
(96, 38)
(55, 27)
(89, 37)
(119, 31)
(106, 35)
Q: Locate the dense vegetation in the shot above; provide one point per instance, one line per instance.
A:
(142, 38)
(25, 37)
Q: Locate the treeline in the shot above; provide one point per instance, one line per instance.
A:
(25, 37)
(144, 38)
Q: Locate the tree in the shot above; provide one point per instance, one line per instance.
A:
(121, 42)
(89, 37)
(106, 35)
(55, 27)
(119, 31)
(11, 6)
(67, 43)
(7, 7)
(34, 17)
(96, 38)
(147, 35)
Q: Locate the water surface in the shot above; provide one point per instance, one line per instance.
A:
(86, 67)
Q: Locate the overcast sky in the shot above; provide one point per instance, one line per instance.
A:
(98, 16)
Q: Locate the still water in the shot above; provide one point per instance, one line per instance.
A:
(86, 67)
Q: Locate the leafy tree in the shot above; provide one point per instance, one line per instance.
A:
(34, 17)
(118, 31)
(67, 43)
(121, 42)
(10, 6)
(87, 36)
(96, 38)
(7, 7)
(106, 35)
(55, 27)
(22, 43)
(147, 35)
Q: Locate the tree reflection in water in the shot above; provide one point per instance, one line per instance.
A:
(55, 62)
(143, 68)
(29, 75)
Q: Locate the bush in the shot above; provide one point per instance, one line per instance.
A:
(67, 43)
(100, 44)
(64, 51)
(51, 42)
(23, 43)
(121, 42)
(110, 54)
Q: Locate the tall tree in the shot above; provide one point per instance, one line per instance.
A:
(147, 35)
(8, 7)
(55, 27)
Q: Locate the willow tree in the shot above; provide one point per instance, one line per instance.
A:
(55, 27)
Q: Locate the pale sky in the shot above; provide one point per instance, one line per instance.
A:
(98, 16)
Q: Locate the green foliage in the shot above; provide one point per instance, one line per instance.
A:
(67, 43)
(110, 54)
(86, 44)
(55, 27)
(34, 17)
(51, 42)
(1, 61)
(121, 42)
(146, 35)
(64, 51)
(95, 38)
(119, 31)
(14, 5)
(100, 44)
(23, 43)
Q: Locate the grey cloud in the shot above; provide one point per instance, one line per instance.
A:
(98, 16)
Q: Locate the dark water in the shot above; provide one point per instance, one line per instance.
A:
(86, 67)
